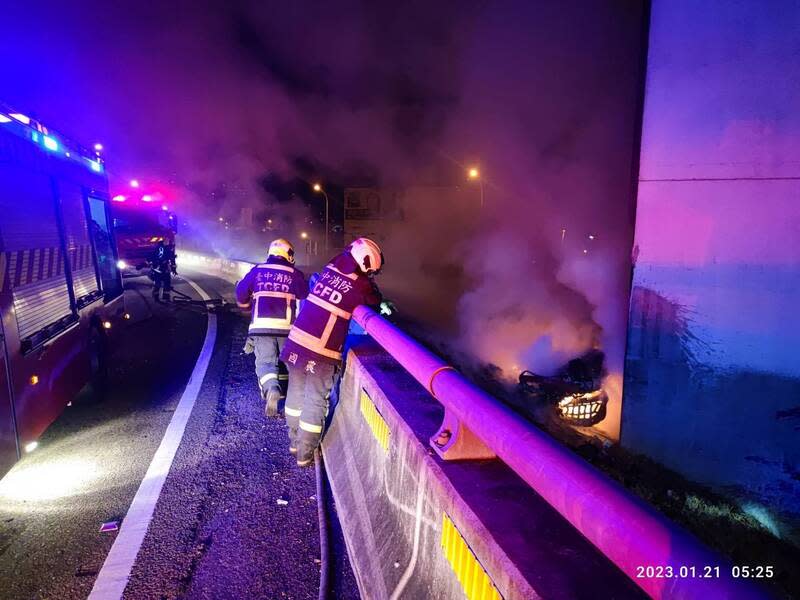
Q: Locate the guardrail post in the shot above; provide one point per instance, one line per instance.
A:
(454, 441)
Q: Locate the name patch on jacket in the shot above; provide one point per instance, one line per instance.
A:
(273, 281)
(332, 287)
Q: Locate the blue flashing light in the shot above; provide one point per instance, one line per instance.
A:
(96, 166)
(35, 136)
(50, 143)
(4, 119)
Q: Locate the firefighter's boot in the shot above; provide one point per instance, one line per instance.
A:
(272, 398)
(305, 455)
(306, 442)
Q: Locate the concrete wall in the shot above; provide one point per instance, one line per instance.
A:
(712, 381)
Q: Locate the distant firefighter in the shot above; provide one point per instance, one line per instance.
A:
(271, 291)
(162, 268)
(313, 351)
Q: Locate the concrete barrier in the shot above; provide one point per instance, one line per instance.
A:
(231, 270)
(417, 526)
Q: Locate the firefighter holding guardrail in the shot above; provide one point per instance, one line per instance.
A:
(271, 290)
(313, 351)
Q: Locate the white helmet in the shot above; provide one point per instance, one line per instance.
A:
(367, 255)
(282, 248)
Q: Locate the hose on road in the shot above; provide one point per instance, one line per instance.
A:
(324, 566)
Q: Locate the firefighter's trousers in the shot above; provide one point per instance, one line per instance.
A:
(271, 372)
(307, 405)
(162, 278)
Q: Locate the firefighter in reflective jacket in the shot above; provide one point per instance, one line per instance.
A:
(271, 291)
(162, 268)
(313, 351)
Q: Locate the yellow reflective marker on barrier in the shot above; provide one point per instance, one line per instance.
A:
(475, 582)
(375, 421)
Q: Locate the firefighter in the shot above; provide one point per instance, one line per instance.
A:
(313, 351)
(271, 290)
(162, 268)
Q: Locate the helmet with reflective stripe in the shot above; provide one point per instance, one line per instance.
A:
(367, 255)
(282, 248)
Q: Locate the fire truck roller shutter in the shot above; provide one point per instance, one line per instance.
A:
(34, 258)
(79, 250)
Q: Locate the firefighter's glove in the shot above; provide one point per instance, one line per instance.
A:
(249, 346)
(388, 308)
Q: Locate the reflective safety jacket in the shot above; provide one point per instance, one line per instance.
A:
(321, 327)
(271, 290)
(163, 258)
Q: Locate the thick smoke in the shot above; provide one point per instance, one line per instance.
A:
(210, 98)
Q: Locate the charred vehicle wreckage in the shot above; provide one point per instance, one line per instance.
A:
(574, 391)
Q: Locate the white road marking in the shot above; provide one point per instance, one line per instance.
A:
(113, 577)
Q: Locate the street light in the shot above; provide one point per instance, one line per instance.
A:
(318, 188)
(304, 235)
(475, 175)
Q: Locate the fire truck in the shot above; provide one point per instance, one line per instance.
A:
(139, 224)
(60, 289)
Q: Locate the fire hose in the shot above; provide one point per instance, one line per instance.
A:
(324, 566)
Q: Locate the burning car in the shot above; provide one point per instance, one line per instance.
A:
(574, 391)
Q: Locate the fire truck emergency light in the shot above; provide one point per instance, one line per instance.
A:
(147, 198)
(119, 198)
(4, 119)
(31, 446)
(50, 143)
(121, 264)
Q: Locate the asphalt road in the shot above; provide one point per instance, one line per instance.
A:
(236, 517)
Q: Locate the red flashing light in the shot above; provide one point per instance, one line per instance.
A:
(119, 198)
(147, 198)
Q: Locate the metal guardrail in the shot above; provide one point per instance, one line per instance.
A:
(663, 559)
(658, 555)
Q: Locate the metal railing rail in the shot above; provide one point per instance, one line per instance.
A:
(663, 559)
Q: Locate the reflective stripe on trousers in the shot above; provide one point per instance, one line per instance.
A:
(307, 401)
(267, 349)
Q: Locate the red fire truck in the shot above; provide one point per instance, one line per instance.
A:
(139, 224)
(60, 289)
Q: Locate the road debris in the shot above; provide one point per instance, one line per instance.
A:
(109, 526)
